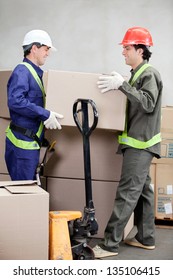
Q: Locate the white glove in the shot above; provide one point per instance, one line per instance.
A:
(52, 121)
(113, 81)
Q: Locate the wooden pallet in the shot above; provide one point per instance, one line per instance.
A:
(164, 223)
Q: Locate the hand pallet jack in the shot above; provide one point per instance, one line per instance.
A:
(86, 226)
(80, 229)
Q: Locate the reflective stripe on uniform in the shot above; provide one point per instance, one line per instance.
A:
(28, 145)
(36, 77)
(132, 142)
(139, 72)
(22, 144)
(124, 139)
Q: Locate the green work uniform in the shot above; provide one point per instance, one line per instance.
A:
(134, 192)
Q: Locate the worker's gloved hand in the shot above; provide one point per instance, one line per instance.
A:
(52, 121)
(109, 82)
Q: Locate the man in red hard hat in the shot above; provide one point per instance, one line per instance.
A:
(139, 143)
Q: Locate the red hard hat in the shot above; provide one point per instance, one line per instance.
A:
(136, 36)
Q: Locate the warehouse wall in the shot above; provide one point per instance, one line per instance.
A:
(87, 32)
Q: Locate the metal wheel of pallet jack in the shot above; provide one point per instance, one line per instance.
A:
(82, 251)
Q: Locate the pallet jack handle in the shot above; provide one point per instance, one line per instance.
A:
(88, 226)
(86, 131)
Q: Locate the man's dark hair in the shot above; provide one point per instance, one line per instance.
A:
(27, 48)
(146, 52)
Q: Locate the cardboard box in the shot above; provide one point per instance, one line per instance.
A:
(103, 194)
(162, 161)
(68, 161)
(3, 125)
(153, 175)
(64, 88)
(5, 177)
(167, 132)
(166, 121)
(164, 191)
(167, 146)
(4, 76)
(24, 220)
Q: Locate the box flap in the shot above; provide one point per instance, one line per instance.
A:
(26, 189)
(17, 183)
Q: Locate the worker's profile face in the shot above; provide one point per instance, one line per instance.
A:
(130, 54)
(41, 54)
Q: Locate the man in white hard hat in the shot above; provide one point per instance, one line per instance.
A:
(26, 102)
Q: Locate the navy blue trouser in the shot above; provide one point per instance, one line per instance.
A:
(21, 164)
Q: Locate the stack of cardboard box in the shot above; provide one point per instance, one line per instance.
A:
(64, 172)
(24, 206)
(162, 174)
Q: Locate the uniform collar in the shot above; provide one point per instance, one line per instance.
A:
(37, 68)
(137, 68)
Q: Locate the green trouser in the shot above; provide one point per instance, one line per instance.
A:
(134, 194)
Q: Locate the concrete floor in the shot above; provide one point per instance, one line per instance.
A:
(163, 250)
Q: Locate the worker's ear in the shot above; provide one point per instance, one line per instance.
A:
(140, 51)
(34, 48)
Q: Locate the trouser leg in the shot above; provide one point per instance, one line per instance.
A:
(21, 164)
(144, 215)
(135, 169)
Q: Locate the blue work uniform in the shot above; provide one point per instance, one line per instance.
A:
(26, 107)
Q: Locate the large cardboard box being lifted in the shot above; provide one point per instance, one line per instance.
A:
(24, 220)
(64, 88)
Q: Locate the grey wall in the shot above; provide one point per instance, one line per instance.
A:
(87, 32)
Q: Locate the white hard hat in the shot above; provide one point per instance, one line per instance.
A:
(39, 36)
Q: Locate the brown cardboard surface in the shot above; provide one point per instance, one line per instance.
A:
(5, 177)
(4, 76)
(64, 88)
(3, 125)
(20, 190)
(153, 173)
(166, 121)
(68, 161)
(164, 191)
(20, 183)
(162, 161)
(167, 146)
(24, 223)
(69, 194)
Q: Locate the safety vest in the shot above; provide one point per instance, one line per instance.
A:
(28, 145)
(132, 142)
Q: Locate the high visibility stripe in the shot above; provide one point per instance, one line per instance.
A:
(28, 145)
(22, 144)
(132, 142)
(36, 77)
(139, 72)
